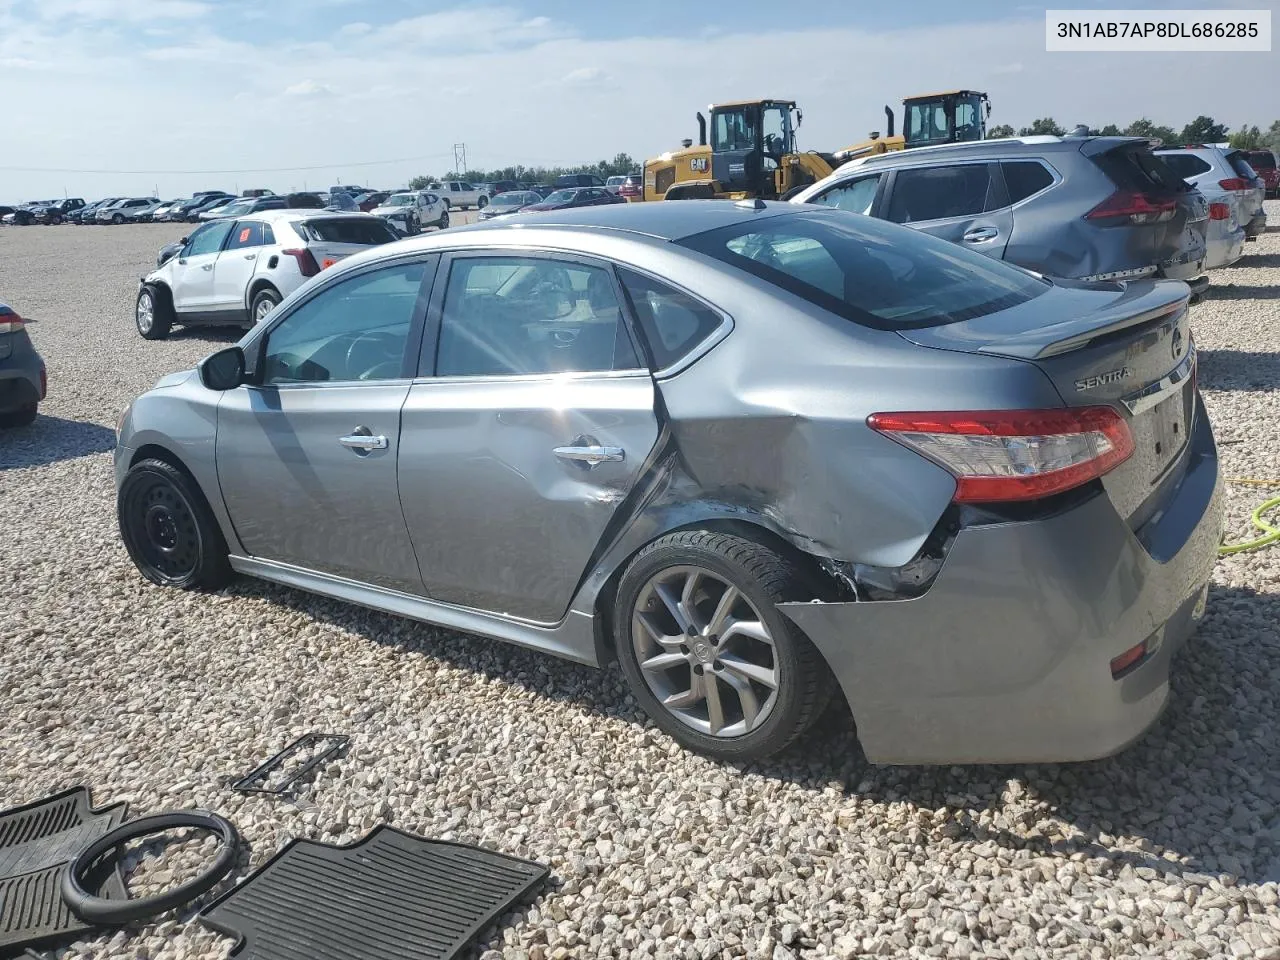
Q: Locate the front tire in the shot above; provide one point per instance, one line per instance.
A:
(22, 417)
(153, 314)
(169, 530)
(264, 301)
(707, 653)
(443, 222)
(482, 203)
(118, 219)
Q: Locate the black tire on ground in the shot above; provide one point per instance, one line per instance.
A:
(443, 222)
(413, 227)
(258, 309)
(481, 203)
(155, 323)
(18, 418)
(805, 682)
(169, 530)
(118, 219)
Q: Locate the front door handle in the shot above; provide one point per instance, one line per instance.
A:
(362, 440)
(251, 256)
(591, 454)
(981, 235)
(206, 266)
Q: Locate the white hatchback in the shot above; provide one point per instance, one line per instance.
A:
(235, 272)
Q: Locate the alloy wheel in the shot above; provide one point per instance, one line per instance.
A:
(146, 313)
(705, 652)
(263, 308)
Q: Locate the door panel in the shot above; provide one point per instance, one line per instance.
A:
(236, 265)
(297, 494)
(962, 203)
(499, 520)
(193, 283)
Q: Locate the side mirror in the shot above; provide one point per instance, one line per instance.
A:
(184, 239)
(223, 370)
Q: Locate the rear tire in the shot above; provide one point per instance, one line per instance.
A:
(482, 203)
(264, 301)
(169, 530)
(21, 417)
(153, 313)
(443, 222)
(768, 682)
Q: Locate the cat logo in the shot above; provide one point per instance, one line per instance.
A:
(698, 164)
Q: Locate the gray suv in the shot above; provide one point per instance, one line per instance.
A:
(1082, 208)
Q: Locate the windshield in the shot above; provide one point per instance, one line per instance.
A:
(561, 196)
(869, 271)
(399, 200)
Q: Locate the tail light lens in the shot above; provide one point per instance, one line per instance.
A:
(1235, 183)
(1219, 211)
(11, 323)
(1136, 207)
(307, 265)
(1010, 455)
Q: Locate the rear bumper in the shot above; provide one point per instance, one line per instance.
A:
(21, 380)
(1006, 658)
(1225, 250)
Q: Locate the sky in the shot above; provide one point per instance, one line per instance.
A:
(115, 97)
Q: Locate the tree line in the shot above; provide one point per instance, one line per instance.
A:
(619, 166)
(1200, 130)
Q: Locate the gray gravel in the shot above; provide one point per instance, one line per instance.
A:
(161, 697)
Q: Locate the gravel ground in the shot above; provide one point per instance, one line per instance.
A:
(160, 698)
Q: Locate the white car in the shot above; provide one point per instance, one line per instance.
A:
(235, 272)
(461, 194)
(411, 210)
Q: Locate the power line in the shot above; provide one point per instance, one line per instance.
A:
(320, 166)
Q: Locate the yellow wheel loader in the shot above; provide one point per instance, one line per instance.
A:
(750, 149)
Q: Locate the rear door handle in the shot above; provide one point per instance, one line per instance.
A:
(591, 455)
(981, 235)
(363, 442)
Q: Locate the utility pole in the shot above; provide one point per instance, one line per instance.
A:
(459, 159)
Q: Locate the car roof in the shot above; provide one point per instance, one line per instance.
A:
(306, 213)
(993, 149)
(663, 220)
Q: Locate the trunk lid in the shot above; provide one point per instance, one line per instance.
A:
(330, 239)
(1127, 345)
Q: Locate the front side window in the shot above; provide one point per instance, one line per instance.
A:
(521, 316)
(868, 271)
(208, 239)
(856, 196)
(355, 330)
(938, 193)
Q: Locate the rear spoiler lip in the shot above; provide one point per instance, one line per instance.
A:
(1031, 350)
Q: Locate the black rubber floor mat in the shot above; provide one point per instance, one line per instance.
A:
(388, 896)
(36, 841)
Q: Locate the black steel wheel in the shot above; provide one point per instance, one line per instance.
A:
(169, 530)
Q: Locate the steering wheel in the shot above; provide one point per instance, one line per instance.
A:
(380, 349)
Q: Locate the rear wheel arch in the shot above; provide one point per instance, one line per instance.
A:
(256, 287)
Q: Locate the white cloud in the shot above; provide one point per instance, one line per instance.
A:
(583, 75)
(129, 11)
(308, 88)
(476, 28)
(357, 29)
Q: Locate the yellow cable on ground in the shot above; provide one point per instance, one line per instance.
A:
(1270, 534)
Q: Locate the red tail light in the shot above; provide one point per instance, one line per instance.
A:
(1235, 183)
(1008, 455)
(1138, 207)
(1219, 211)
(307, 265)
(11, 323)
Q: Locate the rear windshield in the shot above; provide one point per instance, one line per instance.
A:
(1185, 165)
(1241, 166)
(1136, 168)
(342, 230)
(1261, 159)
(869, 271)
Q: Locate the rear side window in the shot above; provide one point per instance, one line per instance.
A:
(246, 233)
(673, 322)
(1024, 178)
(1185, 165)
(339, 230)
(937, 193)
(870, 272)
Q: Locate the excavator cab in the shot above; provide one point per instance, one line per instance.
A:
(956, 116)
(749, 140)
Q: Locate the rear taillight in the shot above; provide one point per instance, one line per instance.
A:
(11, 323)
(1219, 211)
(307, 265)
(1137, 207)
(1235, 183)
(1009, 455)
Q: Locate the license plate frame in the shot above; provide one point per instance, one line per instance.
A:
(1169, 425)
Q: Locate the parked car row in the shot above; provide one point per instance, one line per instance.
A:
(1076, 208)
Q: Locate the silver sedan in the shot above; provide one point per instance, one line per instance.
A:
(762, 455)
